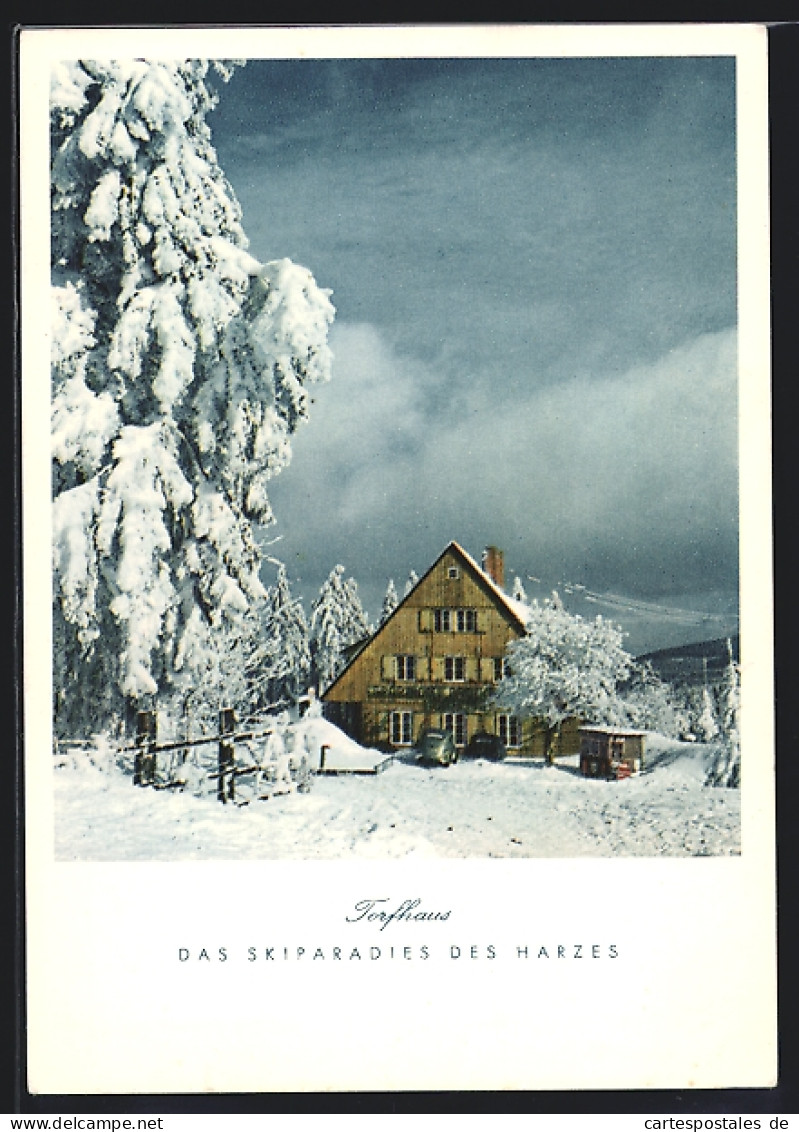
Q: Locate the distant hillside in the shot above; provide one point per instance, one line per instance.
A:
(684, 664)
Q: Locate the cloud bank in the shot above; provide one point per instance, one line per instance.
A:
(626, 482)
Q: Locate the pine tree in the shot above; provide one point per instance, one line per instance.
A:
(179, 371)
(565, 667)
(707, 725)
(287, 623)
(390, 601)
(413, 579)
(337, 621)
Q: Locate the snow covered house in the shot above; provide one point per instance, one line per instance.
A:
(435, 660)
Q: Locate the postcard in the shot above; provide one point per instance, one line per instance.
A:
(397, 551)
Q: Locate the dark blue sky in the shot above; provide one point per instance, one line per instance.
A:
(533, 263)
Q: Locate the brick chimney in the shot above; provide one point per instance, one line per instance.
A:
(494, 565)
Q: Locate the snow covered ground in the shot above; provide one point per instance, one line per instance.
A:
(479, 809)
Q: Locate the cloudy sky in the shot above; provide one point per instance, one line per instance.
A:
(533, 263)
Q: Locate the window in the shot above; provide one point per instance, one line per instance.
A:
(406, 667)
(453, 572)
(456, 725)
(454, 668)
(455, 620)
(401, 728)
(466, 620)
(501, 667)
(508, 729)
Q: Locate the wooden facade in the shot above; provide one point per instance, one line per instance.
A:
(434, 663)
(608, 752)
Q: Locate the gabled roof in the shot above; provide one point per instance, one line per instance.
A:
(516, 610)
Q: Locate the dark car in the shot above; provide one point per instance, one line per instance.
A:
(484, 745)
(436, 746)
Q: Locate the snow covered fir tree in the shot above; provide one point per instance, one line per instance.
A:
(390, 601)
(338, 621)
(287, 627)
(180, 367)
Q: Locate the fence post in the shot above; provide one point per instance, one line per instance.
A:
(144, 758)
(227, 726)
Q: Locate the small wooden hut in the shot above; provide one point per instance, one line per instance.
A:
(611, 752)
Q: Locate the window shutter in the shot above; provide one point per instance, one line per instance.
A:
(483, 616)
(425, 620)
(470, 668)
(388, 668)
(422, 668)
(487, 669)
(437, 668)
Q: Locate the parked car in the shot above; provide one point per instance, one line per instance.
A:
(484, 745)
(436, 746)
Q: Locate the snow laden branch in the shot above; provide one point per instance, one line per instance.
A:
(565, 667)
(180, 367)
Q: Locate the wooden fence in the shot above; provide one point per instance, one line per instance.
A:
(230, 772)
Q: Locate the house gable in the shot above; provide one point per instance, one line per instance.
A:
(434, 662)
(454, 610)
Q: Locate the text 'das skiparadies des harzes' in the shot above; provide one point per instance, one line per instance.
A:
(467, 952)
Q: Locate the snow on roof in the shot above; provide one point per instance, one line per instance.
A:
(520, 610)
(604, 729)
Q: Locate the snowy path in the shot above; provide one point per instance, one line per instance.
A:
(473, 809)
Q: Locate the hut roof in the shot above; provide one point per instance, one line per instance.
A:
(602, 729)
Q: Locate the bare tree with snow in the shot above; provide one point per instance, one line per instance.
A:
(565, 667)
(707, 724)
(180, 366)
(725, 768)
(651, 703)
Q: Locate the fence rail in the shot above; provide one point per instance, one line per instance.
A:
(269, 777)
(274, 774)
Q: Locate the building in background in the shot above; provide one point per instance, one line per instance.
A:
(435, 661)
